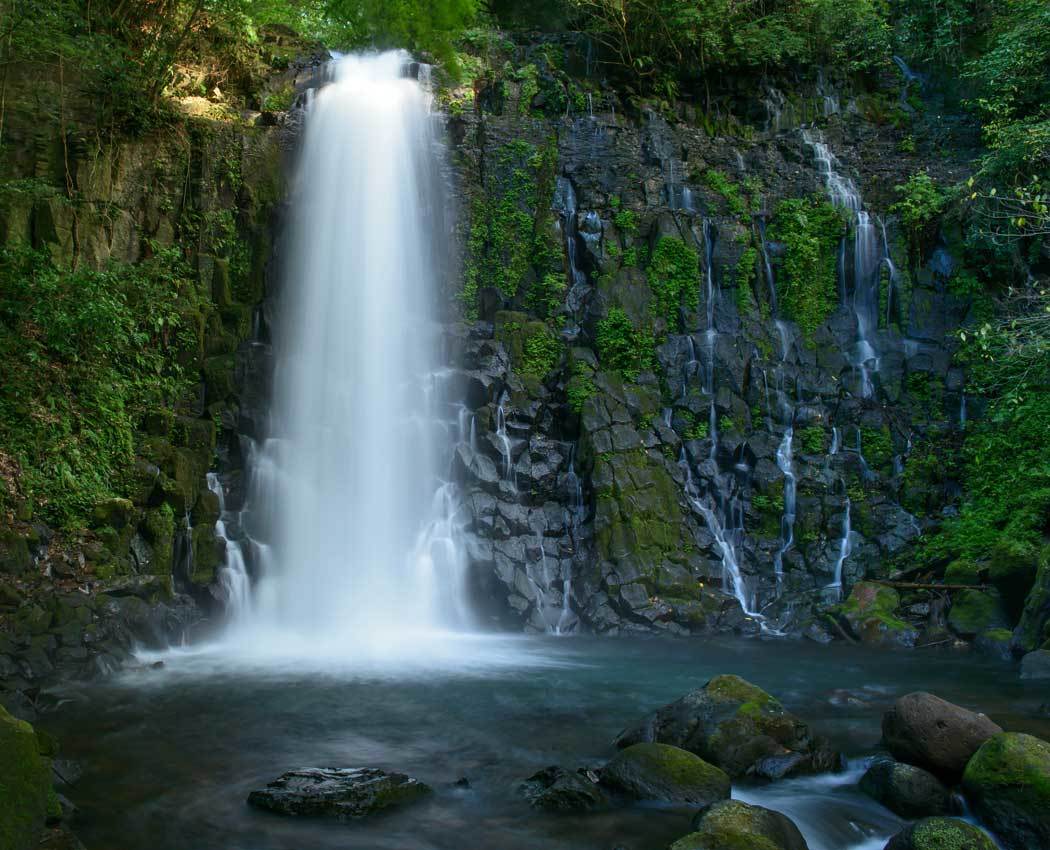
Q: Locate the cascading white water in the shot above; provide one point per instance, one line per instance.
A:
(347, 491)
(233, 578)
(787, 520)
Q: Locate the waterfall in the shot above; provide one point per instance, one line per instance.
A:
(844, 551)
(787, 521)
(233, 577)
(869, 257)
(358, 529)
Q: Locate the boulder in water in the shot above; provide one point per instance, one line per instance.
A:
(555, 789)
(905, 789)
(345, 793)
(940, 834)
(927, 731)
(870, 614)
(1008, 784)
(735, 725)
(734, 824)
(662, 772)
(1036, 665)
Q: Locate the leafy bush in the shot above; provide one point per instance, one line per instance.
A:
(622, 347)
(674, 277)
(920, 204)
(87, 355)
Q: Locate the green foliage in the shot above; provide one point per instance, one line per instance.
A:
(661, 41)
(622, 347)
(540, 354)
(876, 446)
(510, 239)
(811, 440)
(88, 354)
(626, 222)
(696, 429)
(546, 295)
(810, 230)
(719, 182)
(745, 277)
(580, 387)
(674, 277)
(920, 204)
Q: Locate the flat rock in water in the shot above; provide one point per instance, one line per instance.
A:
(344, 793)
(556, 789)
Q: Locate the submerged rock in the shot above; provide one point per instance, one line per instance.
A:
(925, 730)
(940, 834)
(734, 824)
(1036, 665)
(662, 772)
(905, 789)
(555, 789)
(737, 726)
(343, 793)
(1008, 784)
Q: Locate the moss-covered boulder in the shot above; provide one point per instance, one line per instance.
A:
(662, 772)
(940, 834)
(977, 611)
(734, 724)
(1034, 626)
(925, 730)
(905, 789)
(1008, 784)
(15, 558)
(870, 614)
(555, 789)
(26, 796)
(734, 825)
(997, 643)
(1012, 570)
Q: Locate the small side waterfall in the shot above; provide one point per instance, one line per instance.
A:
(869, 255)
(233, 578)
(358, 530)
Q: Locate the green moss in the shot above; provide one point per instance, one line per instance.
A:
(25, 784)
(1008, 782)
(975, 611)
(623, 347)
(729, 688)
(810, 230)
(947, 834)
(580, 387)
(745, 276)
(876, 446)
(720, 183)
(962, 571)
(280, 100)
(674, 277)
(812, 440)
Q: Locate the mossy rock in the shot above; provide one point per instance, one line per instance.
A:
(997, 643)
(15, 557)
(1012, 571)
(870, 613)
(663, 772)
(1034, 626)
(159, 529)
(734, 825)
(905, 789)
(962, 571)
(731, 723)
(207, 555)
(219, 382)
(1008, 784)
(115, 513)
(26, 796)
(941, 834)
(976, 611)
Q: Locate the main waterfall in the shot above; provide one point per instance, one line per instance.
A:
(352, 528)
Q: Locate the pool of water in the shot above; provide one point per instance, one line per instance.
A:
(170, 754)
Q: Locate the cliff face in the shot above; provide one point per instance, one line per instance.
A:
(200, 200)
(708, 379)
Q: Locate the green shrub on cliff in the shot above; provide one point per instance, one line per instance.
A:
(674, 277)
(623, 347)
(87, 355)
(810, 230)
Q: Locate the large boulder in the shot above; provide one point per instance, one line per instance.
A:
(555, 789)
(26, 796)
(977, 611)
(1008, 784)
(871, 615)
(737, 726)
(1034, 626)
(733, 824)
(1036, 665)
(940, 834)
(905, 789)
(662, 772)
(927, 731)
(343, 793)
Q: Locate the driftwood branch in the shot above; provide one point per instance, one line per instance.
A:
(918, 585)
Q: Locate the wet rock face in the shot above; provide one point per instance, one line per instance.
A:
(1008, 784)
(927, 731)
(667, 463)
(662, 772)
(341, 793)
(906, 790)
(738, 727)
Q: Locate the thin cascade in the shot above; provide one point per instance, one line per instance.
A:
(787, 520)
(844, 550)
(234, 583)
(504, 440)
(868, 258)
